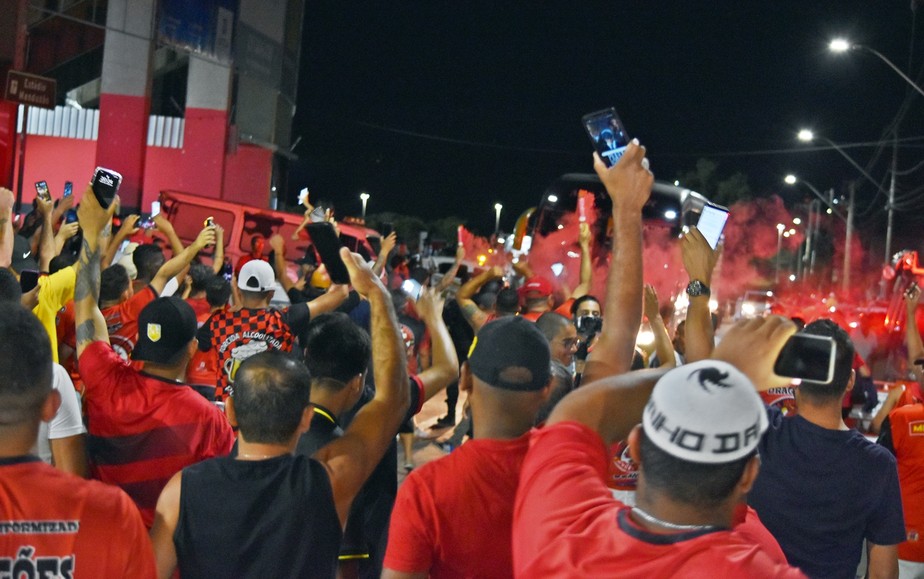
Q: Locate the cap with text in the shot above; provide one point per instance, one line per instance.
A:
(706, 412)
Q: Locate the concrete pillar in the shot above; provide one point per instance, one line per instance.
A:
(125, 99)
(206, 132)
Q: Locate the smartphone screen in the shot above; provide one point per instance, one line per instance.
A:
(105, 185)
(155, 209)
(41, 190)
(28, 279)
(412, 288)
(807, 357)
(326, 242)
(68, 189)
(607, 134)
(70, 216)
(303, 196)
(712, 222)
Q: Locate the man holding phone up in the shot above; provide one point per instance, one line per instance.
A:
(824, 488)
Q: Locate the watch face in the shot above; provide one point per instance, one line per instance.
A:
(697, 288)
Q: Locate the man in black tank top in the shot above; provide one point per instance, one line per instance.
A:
(267, 512)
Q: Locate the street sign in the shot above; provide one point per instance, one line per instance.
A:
(31, 89)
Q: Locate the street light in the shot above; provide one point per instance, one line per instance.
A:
(842, 45)
(779, 249)
(792, 180)
(364, 197)
(497, 212)
(839, 45)
(807, 136)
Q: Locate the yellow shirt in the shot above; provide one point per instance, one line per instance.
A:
(55, 290)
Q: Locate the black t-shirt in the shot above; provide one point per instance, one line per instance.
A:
(366, 533)
(264, 518)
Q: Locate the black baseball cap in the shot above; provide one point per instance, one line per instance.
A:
(511, 353)
(165, 327)
(22, 255)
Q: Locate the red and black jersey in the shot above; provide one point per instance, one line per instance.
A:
(122, 321)
(239, 335)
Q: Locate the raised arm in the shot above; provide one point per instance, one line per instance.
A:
(351, 458)
(47, 241)
(94, 221)
(329, 301)
(7, 199)
(129, 227)
(445, 366)
(450, 275)
(662, 340)
(65, 232)
(218, 257)
(912, 336)
(165, 227)
(699, 260)
(181, 260)
(387, 245)
(628, 184)
(470, 310)
(278, 244)
(587, 270)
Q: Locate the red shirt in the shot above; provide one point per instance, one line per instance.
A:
(122, 321)
(566, 523)
(144, 429)
(453, 516)
(907, 424)
(203, 367)
(53, 524)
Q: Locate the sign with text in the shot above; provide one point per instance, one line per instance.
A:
(30, 89)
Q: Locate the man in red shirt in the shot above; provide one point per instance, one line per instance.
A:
(144, 426)
(453, 516)
(53, 524)
(697, 451)
(121, 305)
(209, 294)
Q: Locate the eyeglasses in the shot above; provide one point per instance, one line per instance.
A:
(571, 342)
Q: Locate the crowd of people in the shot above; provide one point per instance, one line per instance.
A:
(159, 419)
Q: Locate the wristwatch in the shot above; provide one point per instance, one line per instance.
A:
(697, 288)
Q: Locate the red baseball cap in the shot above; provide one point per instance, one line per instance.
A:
(536, 287)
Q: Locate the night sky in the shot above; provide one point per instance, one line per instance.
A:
(438, 108)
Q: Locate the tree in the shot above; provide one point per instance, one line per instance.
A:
(724, 191)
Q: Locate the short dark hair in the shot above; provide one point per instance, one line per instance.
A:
(843, 361)
(336, 348)
(113, 281)
(25, 365)
(217, 291)
(271, 392)
(148, 258)
(703, 486)
(199, 277)
(550, 323)
(61, 261)
(10, 290)
(577, 303)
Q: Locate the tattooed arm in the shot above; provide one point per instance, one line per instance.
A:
(95, 223)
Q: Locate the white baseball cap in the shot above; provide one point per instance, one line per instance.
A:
(256, 276)
(705, 412)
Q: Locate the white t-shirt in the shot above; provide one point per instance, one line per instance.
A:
(67, 421)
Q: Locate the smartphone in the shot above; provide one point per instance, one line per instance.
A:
(68, 189)
(711, 223)
(807, 357)
(146, 221)
(28, 279)
(387, 228)
(41, 191)
(325, 240)
(155, 209)
(70, 216)
(303, 197)
(209, 222)
(105, 185)
(412, 288)
(607, 134)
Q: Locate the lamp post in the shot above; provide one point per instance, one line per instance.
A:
(779, 249)
(807, 136)
(840, 45)
(364, 197)
(497, 212)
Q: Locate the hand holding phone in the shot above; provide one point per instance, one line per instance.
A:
(325, 240)
(808, 358)
(41, 191)
(105, 185)
(607, 134)
(712, 222)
